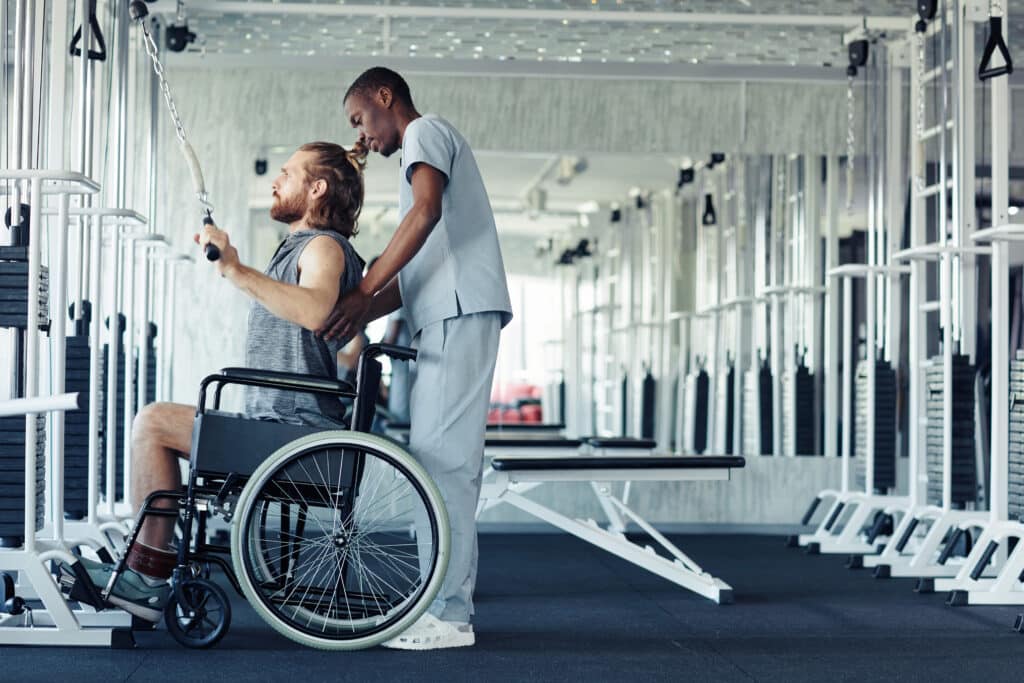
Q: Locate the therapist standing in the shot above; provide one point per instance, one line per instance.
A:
(444, 267)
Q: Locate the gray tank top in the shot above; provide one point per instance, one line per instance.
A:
(275, 344)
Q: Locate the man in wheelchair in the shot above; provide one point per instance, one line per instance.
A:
(319, 194)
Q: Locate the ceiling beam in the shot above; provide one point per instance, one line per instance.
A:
(547, 68)
(848, 21)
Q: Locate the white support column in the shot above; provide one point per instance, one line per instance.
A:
(57, 95)
(831, 299)
(128, 293)
(1001, 107)
(814, 278)
(848, 378)
(777, 342)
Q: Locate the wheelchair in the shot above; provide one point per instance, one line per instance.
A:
(339, 539)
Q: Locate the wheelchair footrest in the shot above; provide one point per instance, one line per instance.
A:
(76, 585)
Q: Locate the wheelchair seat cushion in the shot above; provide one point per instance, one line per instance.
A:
(223, 443)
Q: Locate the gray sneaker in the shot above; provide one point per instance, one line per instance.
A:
(132, 592)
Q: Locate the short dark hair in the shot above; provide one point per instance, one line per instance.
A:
(342, 170)
(372, 80)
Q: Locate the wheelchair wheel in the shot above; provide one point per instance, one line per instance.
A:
(321, 541)
(204, 620)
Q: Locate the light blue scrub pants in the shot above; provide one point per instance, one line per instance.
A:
(450, 396)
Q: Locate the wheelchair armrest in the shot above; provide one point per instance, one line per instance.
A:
(290, 380)
(272, 379)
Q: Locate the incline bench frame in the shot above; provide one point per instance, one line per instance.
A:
(510, 476)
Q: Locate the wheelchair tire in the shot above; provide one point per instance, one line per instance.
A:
(204, 622)
(339, 572)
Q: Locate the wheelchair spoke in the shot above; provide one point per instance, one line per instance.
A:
(343, 566)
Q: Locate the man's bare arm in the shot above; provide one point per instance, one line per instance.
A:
(427, 192)
(306, 304)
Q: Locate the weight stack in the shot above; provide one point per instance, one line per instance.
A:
(76, 429)
(885, 425)
(1015, 495)
(14, 298)
(151, 364)
(646, 411)
(965, 473)
(751, 412)
(150, 371)
(12, 478)
(804, 385)
(14, 289)
(701, 390)
(786, 383)
(730, 408)
(798, 397)
(119, 418)
(767, 414)
(757, 411)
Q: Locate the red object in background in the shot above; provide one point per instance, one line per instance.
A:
(510, 415)
(531, 413)
(510, 393)
(494, 416)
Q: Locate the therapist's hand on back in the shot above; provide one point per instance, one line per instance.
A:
(348, 315)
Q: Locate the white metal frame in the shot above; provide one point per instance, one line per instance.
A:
(509, 487)
(55, 623)
(910, 553)
(839, 531)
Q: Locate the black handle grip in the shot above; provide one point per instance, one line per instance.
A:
(211, 250)
(995, 43)
(986, 557)
(810, 512)
(391, 351)
(947, 550)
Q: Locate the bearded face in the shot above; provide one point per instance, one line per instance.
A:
(291, 189)
(288, 208)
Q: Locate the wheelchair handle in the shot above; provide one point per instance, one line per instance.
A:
(211, 250)
(389, 350)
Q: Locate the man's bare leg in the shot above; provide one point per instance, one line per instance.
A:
(161, 434)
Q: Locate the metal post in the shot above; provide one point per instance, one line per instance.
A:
(832, 339)
(32, 359)
(58, 346)
(814, 278)
(1000, 99)
(128, 292)
(95, 244)
(871, 360)
(17, 108)
(58, 84)
(113, 347)
(848, 377)
(85, 160)
(945, 275)
(28, 74)
(169, 330)
(776, 342)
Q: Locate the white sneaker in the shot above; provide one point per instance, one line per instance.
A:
(430, 633)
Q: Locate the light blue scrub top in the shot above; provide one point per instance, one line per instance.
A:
(459, 269)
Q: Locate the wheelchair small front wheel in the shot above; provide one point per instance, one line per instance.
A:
(321, 541)
(203, 619)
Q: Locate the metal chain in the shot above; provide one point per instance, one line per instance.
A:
(158, 69)
(179, 128)
(850, 142)
(921, 96)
